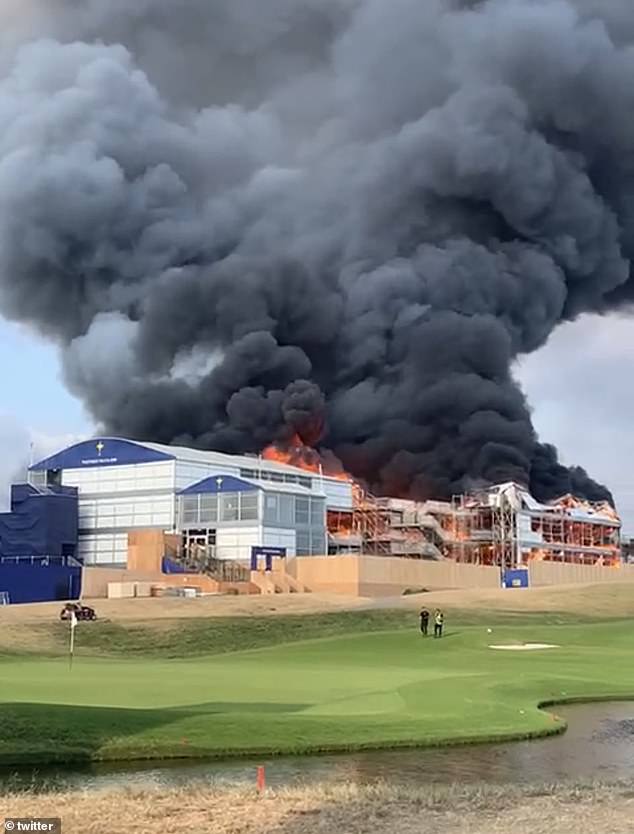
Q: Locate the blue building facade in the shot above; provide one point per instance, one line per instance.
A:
(38, 545)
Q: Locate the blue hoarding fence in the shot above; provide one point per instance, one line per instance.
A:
(515, 578)
(39, 580)
(268, 553)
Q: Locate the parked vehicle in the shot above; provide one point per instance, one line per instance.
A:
(82, 612)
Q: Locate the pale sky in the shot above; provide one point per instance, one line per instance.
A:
(32, 388)
(578, 386)
(35, 408)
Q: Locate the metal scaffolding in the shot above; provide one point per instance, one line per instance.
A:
(502, 526)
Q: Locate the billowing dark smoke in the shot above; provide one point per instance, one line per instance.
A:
(245, 220)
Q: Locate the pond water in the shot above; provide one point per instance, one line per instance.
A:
(599, 744)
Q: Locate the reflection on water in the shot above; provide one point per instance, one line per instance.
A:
(599, 744)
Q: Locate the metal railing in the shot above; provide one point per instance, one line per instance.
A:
(203, 559)
(43, 559)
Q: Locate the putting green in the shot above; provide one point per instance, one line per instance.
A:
(347, 692)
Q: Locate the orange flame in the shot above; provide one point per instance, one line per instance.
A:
(296, 453)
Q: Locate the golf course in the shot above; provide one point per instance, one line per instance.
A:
(291, 683)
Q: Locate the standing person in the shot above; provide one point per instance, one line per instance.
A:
(439, 621)
(424, 621)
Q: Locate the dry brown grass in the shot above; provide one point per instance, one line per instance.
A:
(346, 809)
(609, 600)
(596, 600)
(176, 608)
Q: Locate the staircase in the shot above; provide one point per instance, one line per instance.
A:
(201, 560)
(277, 582)
(264, 582)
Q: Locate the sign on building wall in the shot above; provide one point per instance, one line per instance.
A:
(101, 452)
(515, 579)
(268, 554)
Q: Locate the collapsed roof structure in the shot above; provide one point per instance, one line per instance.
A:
(500, 525)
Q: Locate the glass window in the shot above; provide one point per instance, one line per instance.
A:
(302, 543)
(270, 507)
(286, 510)
(317, 511)
(189, 502)
(317, 543)
(189, 517)
(301, 510)
(278, 477)
(208, 508)
(208, 516)
(37, 478)
(248, 473)
(248, 506)
(228, 507)
(305, 482)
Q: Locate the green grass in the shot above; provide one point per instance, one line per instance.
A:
(222, 635)
(328, 682)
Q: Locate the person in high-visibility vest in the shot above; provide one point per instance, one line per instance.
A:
(439, 621)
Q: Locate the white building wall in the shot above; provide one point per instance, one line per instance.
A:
(278, 537)
(338, 493)
(236, 542)
(115, 499)
(190, 472)
(127, 512)
(134, 478)
(104, 549)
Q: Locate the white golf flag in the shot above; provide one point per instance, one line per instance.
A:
(71, 644)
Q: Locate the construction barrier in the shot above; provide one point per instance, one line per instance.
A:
(376, 576)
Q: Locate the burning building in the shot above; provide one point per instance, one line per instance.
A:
(295, 501)
(502, 525)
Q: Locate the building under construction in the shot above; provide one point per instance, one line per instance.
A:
(501, 525)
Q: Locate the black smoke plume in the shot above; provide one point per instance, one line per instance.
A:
(343, 219)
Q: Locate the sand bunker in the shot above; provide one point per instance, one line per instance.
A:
(524, 647)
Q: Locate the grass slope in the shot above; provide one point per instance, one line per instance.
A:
(191, 637)
(350, 680)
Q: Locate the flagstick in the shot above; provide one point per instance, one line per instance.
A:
(71, 647)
